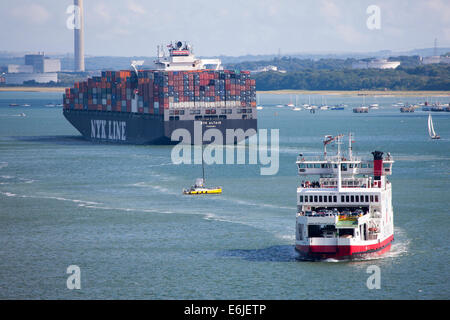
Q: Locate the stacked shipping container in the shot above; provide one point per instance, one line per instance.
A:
(158, 90)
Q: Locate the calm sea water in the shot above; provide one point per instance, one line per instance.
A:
(117, 211)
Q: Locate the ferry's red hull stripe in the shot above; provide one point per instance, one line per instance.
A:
(316, 251)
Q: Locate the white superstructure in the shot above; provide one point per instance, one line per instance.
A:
(347, 211)
(181, 58)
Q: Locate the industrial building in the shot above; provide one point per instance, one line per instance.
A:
(375, 64)
(37, 68)
(436, 59)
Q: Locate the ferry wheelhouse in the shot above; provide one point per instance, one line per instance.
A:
(346, 210)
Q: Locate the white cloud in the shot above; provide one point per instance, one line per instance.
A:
(32, 13)
(136, 8)
(330, 10)
(103, 12)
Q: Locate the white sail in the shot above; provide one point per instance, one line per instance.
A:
(431, 131)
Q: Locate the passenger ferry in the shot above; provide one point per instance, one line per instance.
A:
(347, 212)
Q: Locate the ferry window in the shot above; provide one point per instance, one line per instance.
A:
(351, 165)
(320, 198)
(335, 198)
(330, 199)
(347, 198)
(301, 165)
(344, 167)
(325, 199)
(301, 198)
(363, 165)
(309, 165)
(369, 165)
(376, 198)
(367, 198)
(342, 199)
(357, 198)
(386, 165)
(371, 198)
(316, 165)
(352, 198)
(315, 198)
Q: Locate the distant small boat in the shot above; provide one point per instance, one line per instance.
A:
(50, 105)
(431, 131)
(22, 114)
(13, 105)
(280, 106)
(337, 108)
(26, 105)
(406, 109)
(297, 109)
(59, 105)
(259, 107)
(361, 110)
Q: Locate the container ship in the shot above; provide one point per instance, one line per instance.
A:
(146, 106)
(347, 212)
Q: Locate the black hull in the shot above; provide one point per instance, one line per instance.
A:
(134, 128)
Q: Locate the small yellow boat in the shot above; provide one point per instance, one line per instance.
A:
(199, 188)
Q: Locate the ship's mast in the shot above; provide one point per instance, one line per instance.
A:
(338, 142)
(350, 154)
(203, 167)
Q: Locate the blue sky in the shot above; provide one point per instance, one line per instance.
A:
(231, 27)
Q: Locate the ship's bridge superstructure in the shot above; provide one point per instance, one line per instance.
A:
(182, 58)
(343, 203)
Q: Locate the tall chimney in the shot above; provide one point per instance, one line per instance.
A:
(78, 39)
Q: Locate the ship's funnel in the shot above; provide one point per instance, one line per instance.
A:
(79, 37)
(377, 164)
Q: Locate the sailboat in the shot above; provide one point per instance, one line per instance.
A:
(296, 108)
(258, 106)
(431, 131)
(200, 184)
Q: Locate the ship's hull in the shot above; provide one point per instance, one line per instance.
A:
(134, 128)
(321, 252)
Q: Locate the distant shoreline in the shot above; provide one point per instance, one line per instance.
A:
(304, 92)
(361, 92)
(32, 89)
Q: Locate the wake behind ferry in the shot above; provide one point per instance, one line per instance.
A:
(147, 106)
(347, 212)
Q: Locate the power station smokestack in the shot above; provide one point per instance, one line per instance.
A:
(79, 39)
